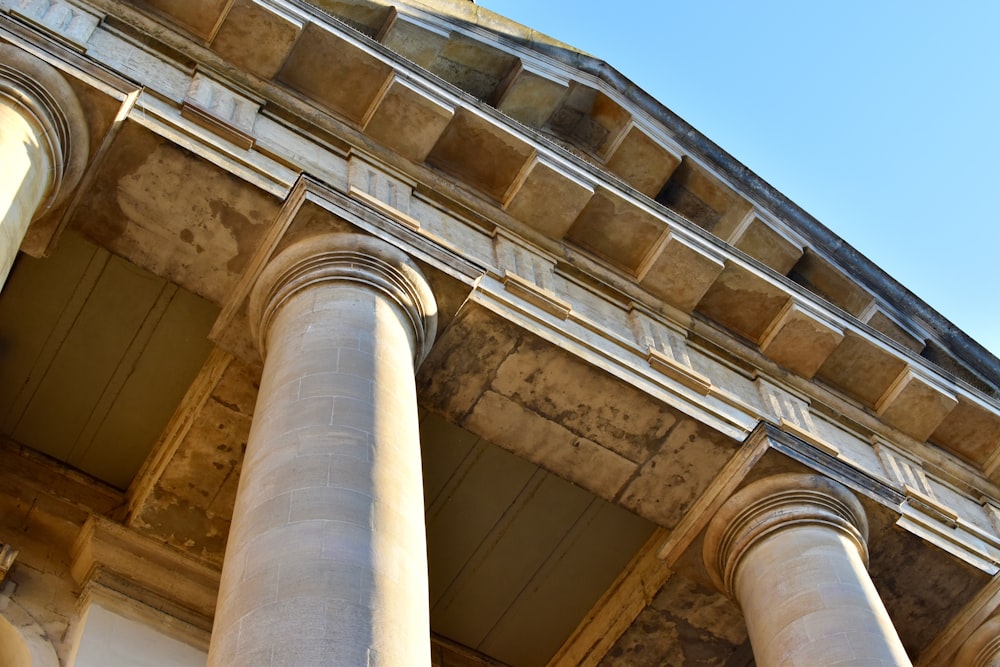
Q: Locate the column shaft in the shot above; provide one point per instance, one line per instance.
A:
(808, 600)
(27, 178)
(791, 550)
(43, 145)
(326, 562)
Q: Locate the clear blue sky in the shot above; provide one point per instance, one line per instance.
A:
(880, 118)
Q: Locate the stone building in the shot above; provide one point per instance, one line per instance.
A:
(512, 365)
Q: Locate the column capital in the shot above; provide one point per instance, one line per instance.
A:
(774, 504)
(982, 648)
(352, 258)
(45, 97)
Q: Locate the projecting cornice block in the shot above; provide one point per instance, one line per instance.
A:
(482, 153)
(549, 199)
(408, 121)
(617, 229)
(800, 340)
(915, 405)
(349, 89)
(679, 272)
(642, 162)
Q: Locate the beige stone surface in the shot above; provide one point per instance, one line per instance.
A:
(982, 648)
(199, 18)
(915, 405)
(548, 199)
(678, 272)
(702, 198)
(27, 178)
(792, 551)
(642, 162)
(616, 229)
(351, 88)
(326, 561)
(971, 430)
(547, 365)
(407, 121)
(766, 245)
(800, 341)
(861, 368)
(464, 146)
(256, 37)
(743, 302)
(531, 98)
(174, 213)
(43, 146)
(821, 277)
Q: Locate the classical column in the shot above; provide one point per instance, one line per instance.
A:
(982, 648)
(326, 562)
(791, 550)
(43, 145)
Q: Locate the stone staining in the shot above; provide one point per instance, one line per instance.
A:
(624, 309)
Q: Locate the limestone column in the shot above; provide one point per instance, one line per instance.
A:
(43, 145)
(791, 550)
(326, 562)
(982, 648)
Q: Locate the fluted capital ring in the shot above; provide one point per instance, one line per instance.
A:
(349, 258)
(774, 504)
(982, 648)
(44, 96)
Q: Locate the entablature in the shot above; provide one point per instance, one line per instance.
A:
(619, 271)
(560, 97)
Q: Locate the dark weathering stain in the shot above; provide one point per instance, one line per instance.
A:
(243, 231)
(99, 214)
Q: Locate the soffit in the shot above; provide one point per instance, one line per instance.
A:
(95, 355)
